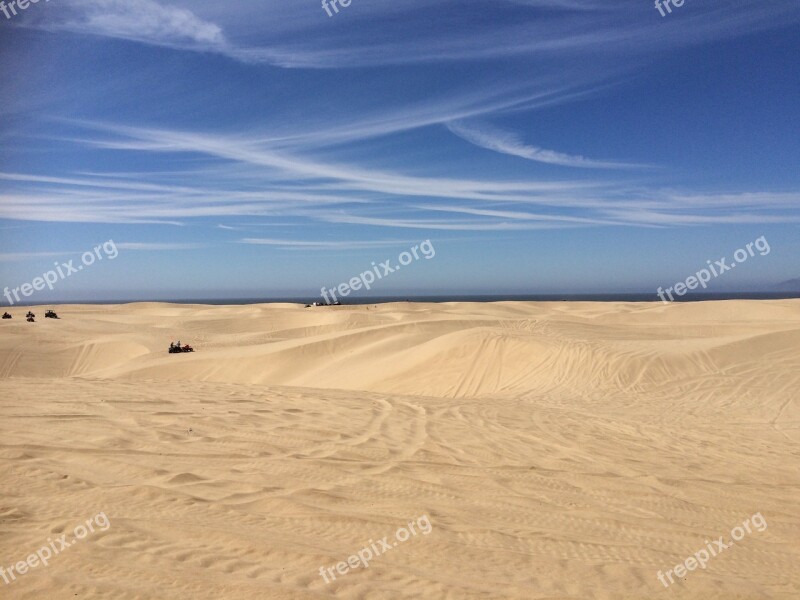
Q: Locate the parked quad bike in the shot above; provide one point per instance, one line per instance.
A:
(180, 350)
(6, 316)
(50, 314)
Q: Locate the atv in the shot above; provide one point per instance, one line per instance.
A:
(50, 314)
(173, 349)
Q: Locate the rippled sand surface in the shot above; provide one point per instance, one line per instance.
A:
(559, 450)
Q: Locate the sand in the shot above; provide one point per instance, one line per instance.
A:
(558, 450)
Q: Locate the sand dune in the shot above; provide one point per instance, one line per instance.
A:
(560, 450)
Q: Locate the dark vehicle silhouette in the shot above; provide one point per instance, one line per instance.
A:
(50, 314)
(6, 316)
(178, 349)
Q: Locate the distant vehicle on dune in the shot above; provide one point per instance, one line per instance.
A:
(178, 349)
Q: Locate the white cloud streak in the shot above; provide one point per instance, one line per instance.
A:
(299, 35)
(334, 192)
(509, 143)
(323, 245)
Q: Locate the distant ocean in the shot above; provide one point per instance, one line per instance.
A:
(640, 297)
(508, 298)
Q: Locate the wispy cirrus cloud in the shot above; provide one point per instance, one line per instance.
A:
(26, 256)
(13, 257)
(323, 245)
(504, 142)
(299, 35)
(144, 21)
(290, 184)
(157, 246)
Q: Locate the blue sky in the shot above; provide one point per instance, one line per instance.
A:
(264, 149)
